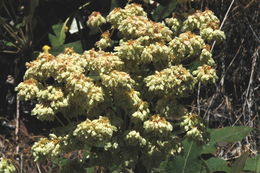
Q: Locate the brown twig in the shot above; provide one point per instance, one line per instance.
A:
(17, 124)
(223, 21)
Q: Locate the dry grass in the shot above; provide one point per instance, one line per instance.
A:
(235, 98)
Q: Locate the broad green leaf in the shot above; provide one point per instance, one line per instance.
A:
(227, 134)
(189, 162)
(164, 10)
(90, 170)
(75, 45)
(239, 164)
(58, 38)
(253, 164)
(57, 50)
(216, 164)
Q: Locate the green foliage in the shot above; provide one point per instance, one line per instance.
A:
(239, 164)
(58, 38)
(164, 10)
(192, 161)
(187, 162)
(253, 164)
(77, 46)
(215, 164)
(227, 134)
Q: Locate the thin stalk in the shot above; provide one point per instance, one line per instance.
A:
(59, 120)
(222, 23)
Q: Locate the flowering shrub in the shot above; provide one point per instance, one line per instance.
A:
(123, 107)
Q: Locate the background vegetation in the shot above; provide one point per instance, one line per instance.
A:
(234, 101)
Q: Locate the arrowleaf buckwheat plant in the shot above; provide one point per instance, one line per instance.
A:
(120, 103)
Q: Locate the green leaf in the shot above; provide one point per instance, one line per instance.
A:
(253, 164)
(164, 10)
(188, 162)
(227, 134)
(9, 44)
(216, 164)
(115, 4)
(90, 170)
(162, 167)
(63, 130)
(75, 45)
(239, 164)
(58, 38)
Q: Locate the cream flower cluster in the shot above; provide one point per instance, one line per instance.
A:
(130, 100)
(174, 24)
(47, 147)
(58, 83)
(134, 138)
(105, 41)
(28, 89)
(117, 15)
(142, 111)
(175, 80)
(207, 23)
(131, 50)
(138, 26)
(95, 131)
(186, 45)
(210, 34)
(6, 166)
(201, 20)
(116, 79)
(132, 22)
(139, 86)
(95, 19)
(206, 74)
(101, 62)
(158, 126)
(138, 108)
(206, 56)
(143, 51)
(193, 126)
(111, 146)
